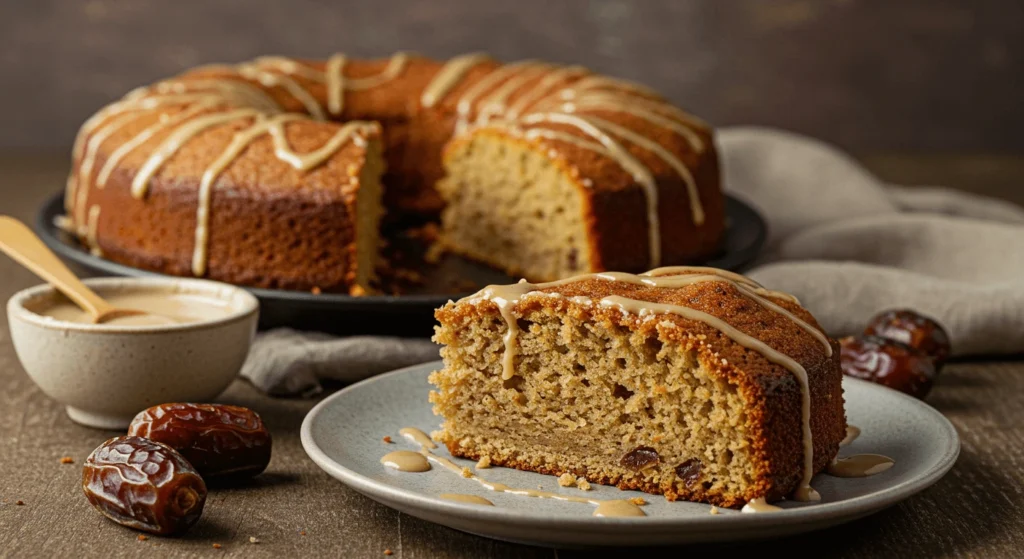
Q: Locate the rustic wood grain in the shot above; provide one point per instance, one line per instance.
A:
(977, 510)
(940, 75)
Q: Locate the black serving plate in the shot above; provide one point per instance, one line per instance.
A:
(398, 315)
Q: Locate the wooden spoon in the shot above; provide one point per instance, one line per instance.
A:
(21, 244)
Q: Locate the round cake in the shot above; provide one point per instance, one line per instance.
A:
(278, 172)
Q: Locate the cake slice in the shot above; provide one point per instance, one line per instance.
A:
(694, 383)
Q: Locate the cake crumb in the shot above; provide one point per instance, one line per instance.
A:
(582, 484)
(483, 463)
(566, 480)
(253, 540)
(316, 290)
(638, 501)
(387, 439)
(434, 253)
(142, 538)
(436, 435)
(217, 546)
(388, 552)
(19, 502)
(466, 472)
(67, 460)
(714, 509)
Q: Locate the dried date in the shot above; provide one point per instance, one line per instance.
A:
(144, 485)
(222, 442)
(914, 329)
(889, 363)
(689, 471)
(639, 458)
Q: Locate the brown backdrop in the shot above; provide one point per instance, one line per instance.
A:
(872, 76)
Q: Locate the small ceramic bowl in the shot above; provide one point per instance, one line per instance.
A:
(105, 374)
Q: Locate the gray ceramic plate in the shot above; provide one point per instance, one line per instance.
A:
(343, 436)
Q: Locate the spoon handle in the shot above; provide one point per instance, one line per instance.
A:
(21, 244)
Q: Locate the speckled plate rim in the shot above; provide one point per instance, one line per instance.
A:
(810, 517)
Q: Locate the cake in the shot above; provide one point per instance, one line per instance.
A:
(695, 383)
(278, 172)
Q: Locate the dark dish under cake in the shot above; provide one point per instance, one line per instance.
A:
(277, 172)
(686, 382)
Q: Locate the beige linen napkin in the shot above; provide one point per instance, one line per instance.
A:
(846, 244)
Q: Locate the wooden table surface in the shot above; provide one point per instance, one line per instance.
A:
(296, 509)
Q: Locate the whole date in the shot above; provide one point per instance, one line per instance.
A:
(222, 442)
(889, 363)
(144, 485)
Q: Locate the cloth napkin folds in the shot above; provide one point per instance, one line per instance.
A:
(846, 244)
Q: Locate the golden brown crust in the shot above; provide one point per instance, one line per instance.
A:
(772, 392)
(413, 139)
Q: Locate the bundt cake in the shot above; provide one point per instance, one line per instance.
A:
(269, 173)
(695, 383)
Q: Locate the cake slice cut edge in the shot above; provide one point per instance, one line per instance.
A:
(656, 403)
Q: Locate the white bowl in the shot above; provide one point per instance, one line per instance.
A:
(105, 373)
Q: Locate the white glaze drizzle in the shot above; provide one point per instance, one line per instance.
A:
(406, 461)
(507, 296)
(758, 505)
(635, 108)
(91, 230)
(603, 506)
(606, 82)
(542, 88)
(295, 89)
(417, 436)
(465, 105)
(496, 102)
(860, 465)
(262, 125)
(469, 499)
(164, 122)
(174, 142)
(641, 174)
(335, 76)
(851, 435)
(696, 209)
(449, 76)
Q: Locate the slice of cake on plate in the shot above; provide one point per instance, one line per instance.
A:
(695, 383)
